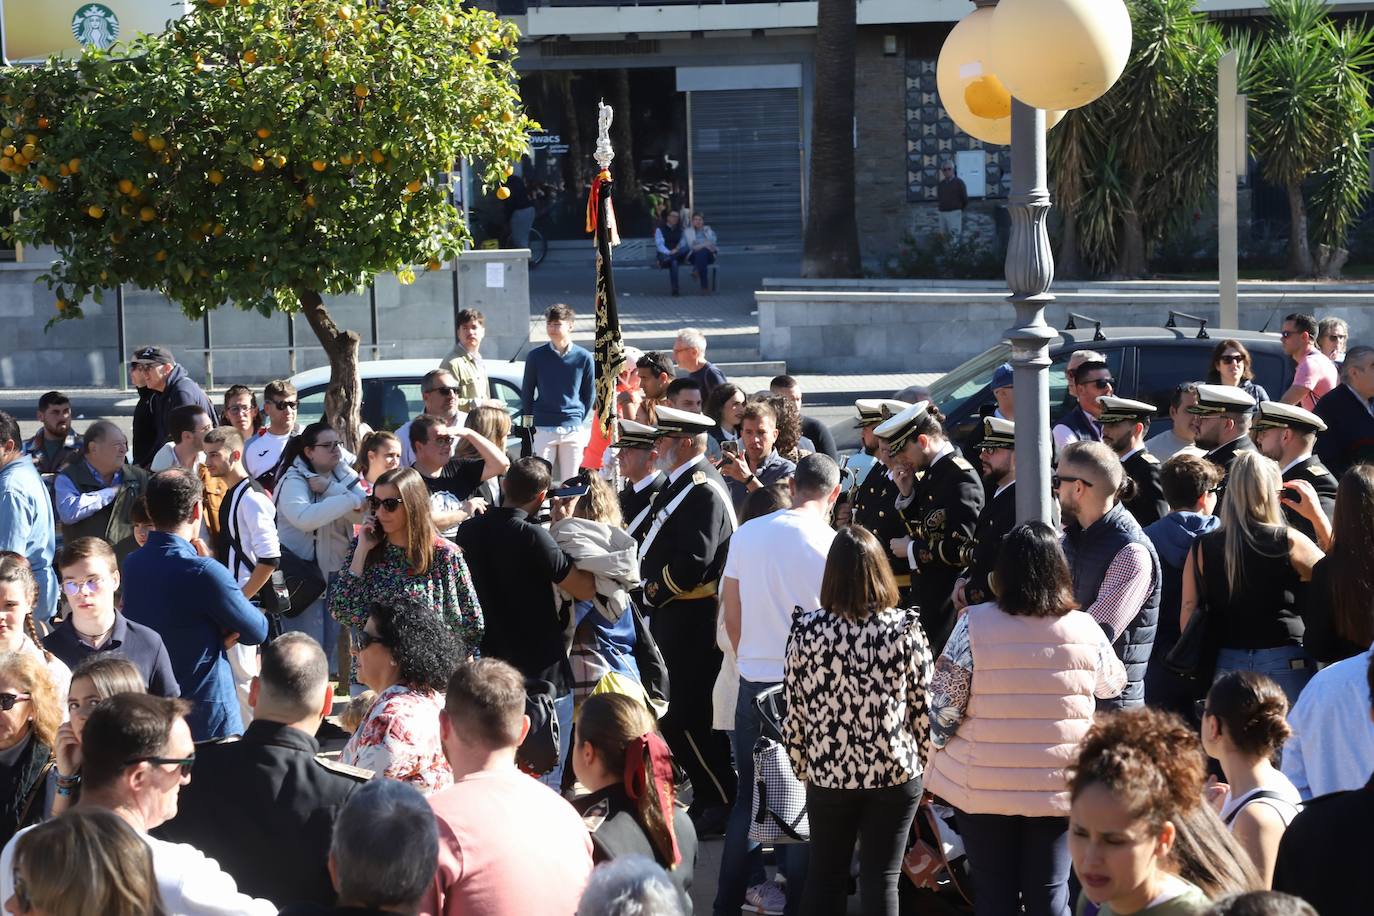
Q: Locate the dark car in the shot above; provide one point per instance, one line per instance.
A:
(1146, 364)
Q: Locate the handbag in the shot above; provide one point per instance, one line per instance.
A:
(778, 814)
(538, 753)
(1194, 657)
(934, 861)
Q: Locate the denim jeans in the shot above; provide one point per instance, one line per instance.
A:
(1288, 666)
(1017, 861)
(319, 625)
(673, 262)
(740, 860)
(563, 709)
(701, 259)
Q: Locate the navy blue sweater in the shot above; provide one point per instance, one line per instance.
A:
(558, 388)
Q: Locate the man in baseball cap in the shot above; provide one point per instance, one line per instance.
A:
(169, 386)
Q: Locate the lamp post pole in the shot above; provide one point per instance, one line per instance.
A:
(1030, 271)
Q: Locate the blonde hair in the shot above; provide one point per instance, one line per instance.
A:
(355, 711)
(32, 678)
(600, 504)
(88, 861)
(420, 533)
(1251, 505)
(491, 423)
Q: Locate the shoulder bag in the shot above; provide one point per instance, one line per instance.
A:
(778, 813)
(1194, 656)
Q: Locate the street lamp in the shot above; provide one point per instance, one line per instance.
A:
(1060, 54)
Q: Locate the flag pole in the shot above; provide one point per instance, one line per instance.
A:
(610, 347)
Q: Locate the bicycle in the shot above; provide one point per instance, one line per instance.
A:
(499, 236)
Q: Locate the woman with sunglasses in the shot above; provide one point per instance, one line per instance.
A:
(406, 654)
(319, 499)
(18, 595)
(29, 716)
(1232, 365)
(399, 556)
(88, 862)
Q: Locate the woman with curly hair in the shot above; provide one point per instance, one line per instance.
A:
(405, 653)
(1137, 772)
(30, 713)
(1244, 724)
(88, 861)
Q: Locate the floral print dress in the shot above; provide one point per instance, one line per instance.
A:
(399, 739)
(447, 588)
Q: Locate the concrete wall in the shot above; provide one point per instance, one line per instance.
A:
(413, 321)
(889, 326)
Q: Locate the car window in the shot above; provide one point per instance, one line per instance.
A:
(400, 400)
(1160, 369)
(1060, 402)
(952, 391)
(507, 394)
(310, 406)
(1273, 371)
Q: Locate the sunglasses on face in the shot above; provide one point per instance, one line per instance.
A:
(1232, 358)
(285, 405)
(1057, 479)
(1101, 384)
(7, 700)
(442, 389)
(390, 504)
(443, 440)
(1287, 334)
(185, 763)
(91, 585)
(366, 639)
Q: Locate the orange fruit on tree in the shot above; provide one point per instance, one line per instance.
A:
(218, 230)
(378, 157)
(279, 160)
(319, 165)
(63, 170)
(345, 12)
(43, 123)
(61, 305)
(11, 150)
(263, 133)
(346, 159)
(361, 91)
(160, 256)
(250, 57)
(414, 186)
(126, 186)
(147, 214)
(502, 192)
(29, 150)
(74, 165)
(310, 200)
(46, 183)
(258, 164)
(477, 48)
(214, 176)
(95, 211)
(432, 265)
(508, 117)
(157, 143)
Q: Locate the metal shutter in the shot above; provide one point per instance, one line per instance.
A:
(746, 164)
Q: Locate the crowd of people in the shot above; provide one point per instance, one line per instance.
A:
(554, 676)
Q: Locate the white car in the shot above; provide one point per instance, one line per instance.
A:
(391, 389)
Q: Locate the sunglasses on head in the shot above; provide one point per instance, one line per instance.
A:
(442, 389)
(285, 405)
(1101, 384)
(366, 639)
(184, 763)
(7, 700)
(390, 504)
(1057, 479)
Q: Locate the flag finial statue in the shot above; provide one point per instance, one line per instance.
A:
(610, 347)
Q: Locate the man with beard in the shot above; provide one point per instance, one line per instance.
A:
(1221, 424)
(682, 558)
(997, 455)
(875, 493)
(1124, 425)
(941, 510)
(1287, 434)
(1116, 575)
(655, 371)
(55, 444)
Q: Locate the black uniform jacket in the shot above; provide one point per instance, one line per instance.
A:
(264, 807)
(1323, 481)
(1222, 456)
(943, 514)
(875, 508)
(632, 503)
(688, 552)
(1148, 505)
(997, 518)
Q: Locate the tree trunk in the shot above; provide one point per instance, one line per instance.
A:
(1131, 263)
(343, 398)
(1299, 250)
(626, 174)
(1069, 263)
(831, 244)
(1330, 262)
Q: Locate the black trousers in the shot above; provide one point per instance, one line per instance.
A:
(686, 635)
(880, 819)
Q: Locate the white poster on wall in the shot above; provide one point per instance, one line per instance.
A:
(972, 166)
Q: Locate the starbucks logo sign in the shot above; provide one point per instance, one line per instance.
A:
(95, 25)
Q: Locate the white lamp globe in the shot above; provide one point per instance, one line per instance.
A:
(1060, 53)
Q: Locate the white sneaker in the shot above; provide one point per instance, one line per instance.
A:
(766, 898)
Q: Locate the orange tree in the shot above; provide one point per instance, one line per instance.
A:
(261, 152)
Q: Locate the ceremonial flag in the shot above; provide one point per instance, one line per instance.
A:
(610, 347)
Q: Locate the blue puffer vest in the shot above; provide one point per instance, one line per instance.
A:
(1090, 552)
(1083, 426)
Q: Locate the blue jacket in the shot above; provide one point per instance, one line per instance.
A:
(26, 528)
(193, 603)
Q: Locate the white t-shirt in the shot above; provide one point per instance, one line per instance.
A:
(255, 523)
(166, 458)
(192, 883)
(778, 560)
(263, 451)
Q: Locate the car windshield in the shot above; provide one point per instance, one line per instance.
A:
(968, 380)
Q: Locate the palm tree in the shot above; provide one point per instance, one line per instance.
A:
(830, 247)
(1310, 108)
